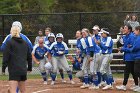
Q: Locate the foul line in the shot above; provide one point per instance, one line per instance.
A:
(42, 91)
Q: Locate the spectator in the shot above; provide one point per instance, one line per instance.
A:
(16, 55)
(47, 31)
(133, 22)
(120, 38)
(40, 35)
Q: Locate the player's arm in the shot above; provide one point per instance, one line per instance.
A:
(107, 45)
(29, 60)
(6, 56)
(3, 46)
(33, 55)
(66, 48)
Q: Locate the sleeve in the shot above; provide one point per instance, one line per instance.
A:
(131, 42)
(4, 42)
(51, 47)
(107, 45)
(83, 43)
(6, 56)
(34, 48)
(66, 48)
(25, 38)
(29, 60)
(90, 42)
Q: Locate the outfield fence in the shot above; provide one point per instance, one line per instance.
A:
(68, 24)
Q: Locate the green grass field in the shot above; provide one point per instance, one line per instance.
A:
(5, 77)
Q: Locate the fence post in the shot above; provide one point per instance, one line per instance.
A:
(2, 27)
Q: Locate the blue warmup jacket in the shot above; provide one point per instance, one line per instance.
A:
(128, 41)
(135, 49)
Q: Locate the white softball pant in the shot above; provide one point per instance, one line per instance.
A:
(60, 60)
(105, 65)
(95, 64)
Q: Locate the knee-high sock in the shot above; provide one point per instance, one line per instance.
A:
(17, 90)
(86, 79)
(69, 74)
(62, 75)
(95, 79)
(111, 80)
(53, 76)
(99, 77)
(106, 79)
(44, 76)
(102, 77)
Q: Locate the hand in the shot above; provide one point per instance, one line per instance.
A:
(37, 62)
(119, 49)
(60, 52)
(90, 59)
(98, 42)
(71, 58)
(79, 60)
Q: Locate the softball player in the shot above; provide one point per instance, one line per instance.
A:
(77, 60)
(38, 57)
(51, 39)
(47, 31)
(81, 53)
(59, 49)
(96, 62)
(90, 49)
(106, 45)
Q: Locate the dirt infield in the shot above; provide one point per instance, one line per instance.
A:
(37, 86)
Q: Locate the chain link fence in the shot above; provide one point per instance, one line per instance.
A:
(66, 23)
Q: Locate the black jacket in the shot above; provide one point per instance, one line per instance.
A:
(17, 56)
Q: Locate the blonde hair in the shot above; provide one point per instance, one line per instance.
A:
(87, 31)
(15, 31)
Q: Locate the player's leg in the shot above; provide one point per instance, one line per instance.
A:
(85, 70)
(21, 85)
(17, 90)
(111, 79)
(61, 71)
(103, 68)
(13, 85)
(42, 70)
(65, 64)
(54, 71)
(93, 70)
(99, 62)
(80, 75)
